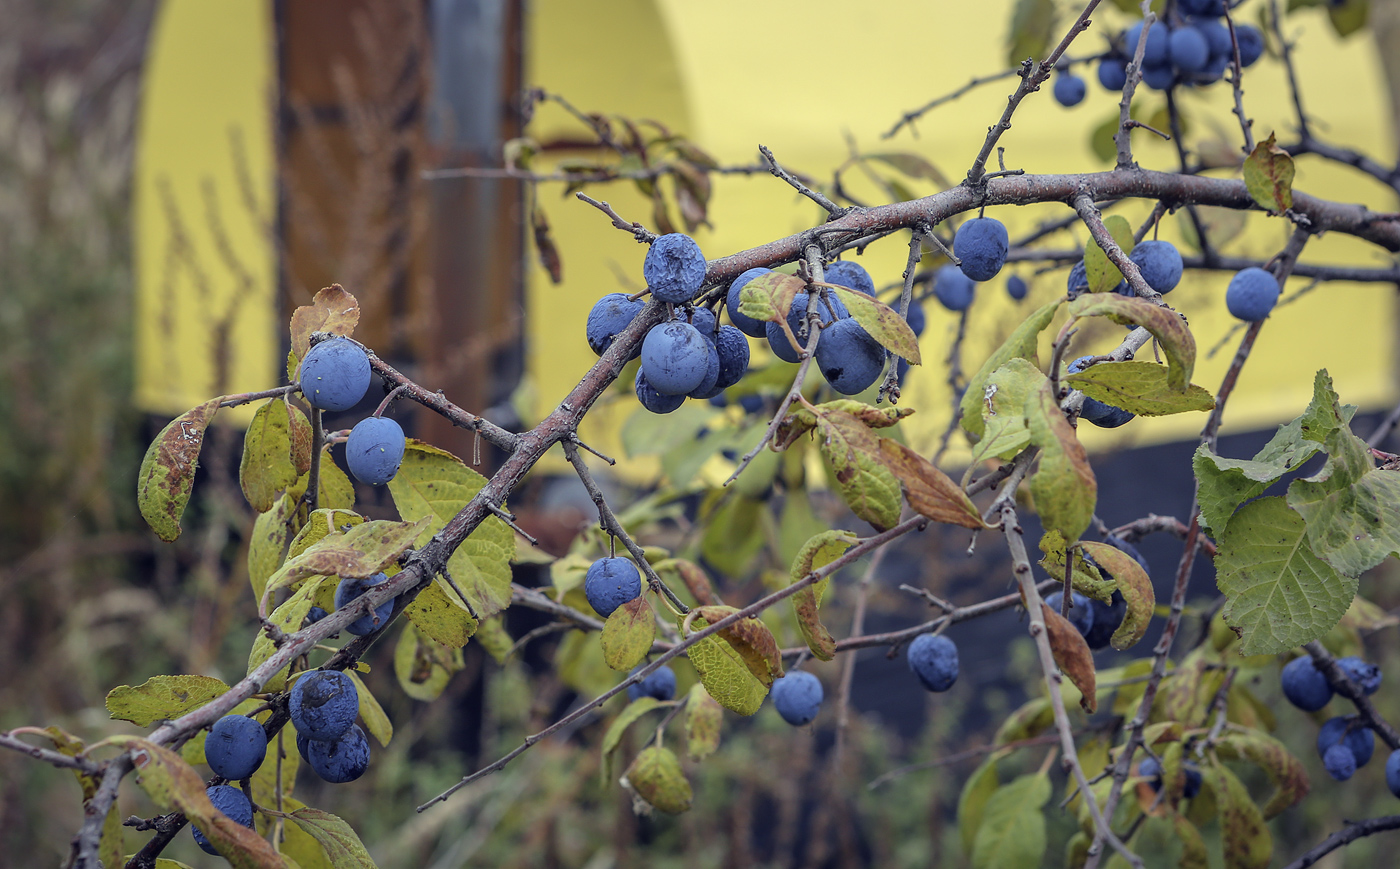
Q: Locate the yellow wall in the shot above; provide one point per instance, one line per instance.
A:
(206, 320)
(801, 76)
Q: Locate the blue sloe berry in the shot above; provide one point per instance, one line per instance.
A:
(1107, 618)
(1217, 36)
(915, 318)
(797, 315)
(608, 317)
(981, 245)
(851, 275)
(1252, 294)
(705, 322)
(1159, 77)
(1160, 264)
(849, 359)
(1158, 44)
(1339, 762)
(1078, 281)
(934, 659)
(335, 374)
(709, 384)
(341, 759)
(674, 268)
(1201, 7)
(746, 324)
(1113, 73)
(1016, 287)
(375, 449)
(733, 350)
(1189, 49)
(1304, 685)
(610, 583)
(233, 803)
(1069, 90)
(1366, 676)
(953, 288)
(797, 697)
(752, 403)
(323, 704)
(675, 357)
(314, 615)
(1149, 767)
(235, 747)
(1251, 42)
(1345, 730)
(349, 590)
(1392, 772)
(1081, 613)
(661, 684)
(656, 402)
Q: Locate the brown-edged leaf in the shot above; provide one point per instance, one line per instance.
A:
(332, 310)
(167, 472)
(301, 439)
(852, 450)
(881, 322)
(696, 581)
(751, 639)
(1248, 844)
(929, 491)
(1072, 655)
(343, 848)
(1140, 388)
(628, 633)
(657, 777)
(1135, 586)
(1274, 758)
(1268, 176)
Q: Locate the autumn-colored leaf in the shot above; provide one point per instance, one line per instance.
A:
(1072, 656)
(332, 310)
(929, 491)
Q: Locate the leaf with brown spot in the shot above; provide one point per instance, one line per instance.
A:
(751, 639)
(628, 634)
(1063, 486)
(703, 718)
(1072, 655)
(865, 483)
(162, 697)
(1164, 324)
(1135, 586)
(1274, 758)
(875, 417)
(1268, 176)
(167, 472)
(301, 439)
(880, 322)
(929, 491)
(769, 297)
(1247, 842)
(332, 310)
(267, 469)
(696, 581)
(657, 777)
(363, 551)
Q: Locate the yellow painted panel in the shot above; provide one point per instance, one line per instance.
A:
(802, 75)
(204, 207)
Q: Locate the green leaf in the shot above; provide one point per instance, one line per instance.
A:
(1349, 16)
(1063, 487)
(629, 715)
(1140, 388)
(492, 636)
(297, 846)
(1021, 344)
(174, 786)
(371, 713)
(1004, 414)
(1102, 273)
(319, 523)
(1164, 324)
(1274, 758)
(266, 468)
(336, 490)
(972, 801)
(628, 633)
(749, 638)
(167, 471)
(423, 667)
(264, 780)
(1012, 832)
(342, 846)
(657, 777)
(1248, 844)
(1032, 31)
(726, 677)
(1030, 719)
(733, 533)
(161, 697)
(1135, 586)
(703, 718)
(769, 297)
(439, 614)
(288, 617)
(111, 847)
(817, 553)
(1268, 176)
(1280, 594)
(866, 484)
(435, 485)
(268, 540)
(364, 550)
(882, 322)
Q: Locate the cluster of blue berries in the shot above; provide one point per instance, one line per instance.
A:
(1159, 262)
(335, 375)
(1194, 51)
(1344, 743)
(234, 749)
(323, 707)
(1095, 620)
(1151, 769)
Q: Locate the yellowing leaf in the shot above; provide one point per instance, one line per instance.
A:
(725, 675)
(1135, 586)
(266, 468)
(1012, 833)
(657, 777)
(1063, 487)
(882, 323)
(703, 718)
(1247, 842)
(628, 633)
(1072, 656)
(750, 639)
(928, 490)
(1103, 275)
(1003, 410)
(1140, 388)
(362, 551)
(441, 616)
(371, 713)
(1021, 344)
(167, 471)
(769, 297)
(331, 310)
(815, 554)
(1165, 325)
(289, 617)
(423, 667)
(852, 451)
(161, 697)
(343, 848)
(1268, 176)
(267, 542)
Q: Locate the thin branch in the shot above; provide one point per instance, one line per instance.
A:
(1237, 79)
(778, 171)
(48, 755)
(1084, 206)
(641, 233)
(438, 403)
(1340, 839)
(1286, 51)
(1327, 665)
(1122, 139)
(890, 387)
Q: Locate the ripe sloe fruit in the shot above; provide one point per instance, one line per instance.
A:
(915, 318)
(1158, 77)
(1069, 90)
(609, 316)
(1252, 294)
(1366, 676)
(1113, 73)
(233, 803)
(1160, 264)
(733, 349)
(335, 374)
(797, 314)
(704, 321)
(797, 697)
(1304, 685)
(1107, 618)
(981, 244)
(851, 275)
(1339, 762)
(610, 583)
(1392, 772)
(661, 684)
(323, 704)
(1189, 49)
(1016, 287)
(934, 659)
(708, 385)
(1344, 730)
(342, 759)
(675, 357)
(1081, 613)
(1251, 42)
(374, 450)
(849, 359)
(1158, 44)
(652, 400)
(235, 747)
(953, 288)
(674, 268)
(349, 590)
(746, 324)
